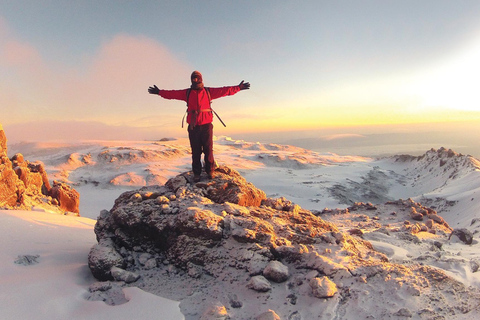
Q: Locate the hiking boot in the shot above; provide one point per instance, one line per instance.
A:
(196, 178)
(211, 175)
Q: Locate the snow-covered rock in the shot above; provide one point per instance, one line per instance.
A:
(323, 287)
(276, 271)
(208, 250)
(259, 283)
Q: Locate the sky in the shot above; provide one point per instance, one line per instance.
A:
(82, 68)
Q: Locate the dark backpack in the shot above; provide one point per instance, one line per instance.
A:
(202, 110)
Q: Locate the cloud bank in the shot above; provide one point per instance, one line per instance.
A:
(48, 130)
(109, 87)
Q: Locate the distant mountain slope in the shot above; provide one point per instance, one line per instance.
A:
(445, 180)
(435, 167)
(440, 178)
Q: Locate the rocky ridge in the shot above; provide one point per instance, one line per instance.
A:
(442, 165)
(25, 185)
(228, 252)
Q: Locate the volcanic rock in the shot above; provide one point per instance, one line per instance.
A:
(10, 186)
(122, 275)
(216, 311)
(25, 184)
(259, 283)
(221, 238)
(102, 259)
(68, 198)
(3, 141)
(465, 235)
(269, 315)
(276, 271)
(323, 287)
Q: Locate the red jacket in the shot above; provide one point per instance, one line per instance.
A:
(198, 100)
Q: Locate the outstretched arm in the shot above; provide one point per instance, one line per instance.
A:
(169, 94)
(228, 91)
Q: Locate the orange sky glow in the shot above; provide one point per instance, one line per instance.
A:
(372, 72)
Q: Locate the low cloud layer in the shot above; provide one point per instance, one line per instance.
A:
(79, 130)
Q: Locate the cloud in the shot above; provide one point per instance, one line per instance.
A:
(109, 86)
(124, 68)
(115, 81)
(341, 136)
(20, 55)
(49, 130)
(22, 70)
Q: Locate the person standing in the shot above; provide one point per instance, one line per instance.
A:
(200, 117)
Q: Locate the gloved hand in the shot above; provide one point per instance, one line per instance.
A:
(153, 90)
(244, 86)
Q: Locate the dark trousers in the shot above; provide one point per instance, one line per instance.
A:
(201, 141)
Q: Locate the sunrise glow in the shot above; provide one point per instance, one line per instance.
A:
(348, 70)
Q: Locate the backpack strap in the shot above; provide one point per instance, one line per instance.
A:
(207, 90)
(210, 100)
(183, 119)
(186, 111)
(218, 117)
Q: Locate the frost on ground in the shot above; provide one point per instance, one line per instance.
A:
(371, 226)
(225, 250)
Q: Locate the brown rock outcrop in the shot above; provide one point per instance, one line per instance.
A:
(227, 186)
(3, 141)
(188, 221)
(10, 186)
(24, 183)
(233, 188)
(68, 198)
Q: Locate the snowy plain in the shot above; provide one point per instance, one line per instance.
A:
(55, 284)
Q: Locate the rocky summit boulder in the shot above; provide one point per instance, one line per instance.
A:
(228, 186)
(222, 243)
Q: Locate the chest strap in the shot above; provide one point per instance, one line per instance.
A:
(201, 110)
